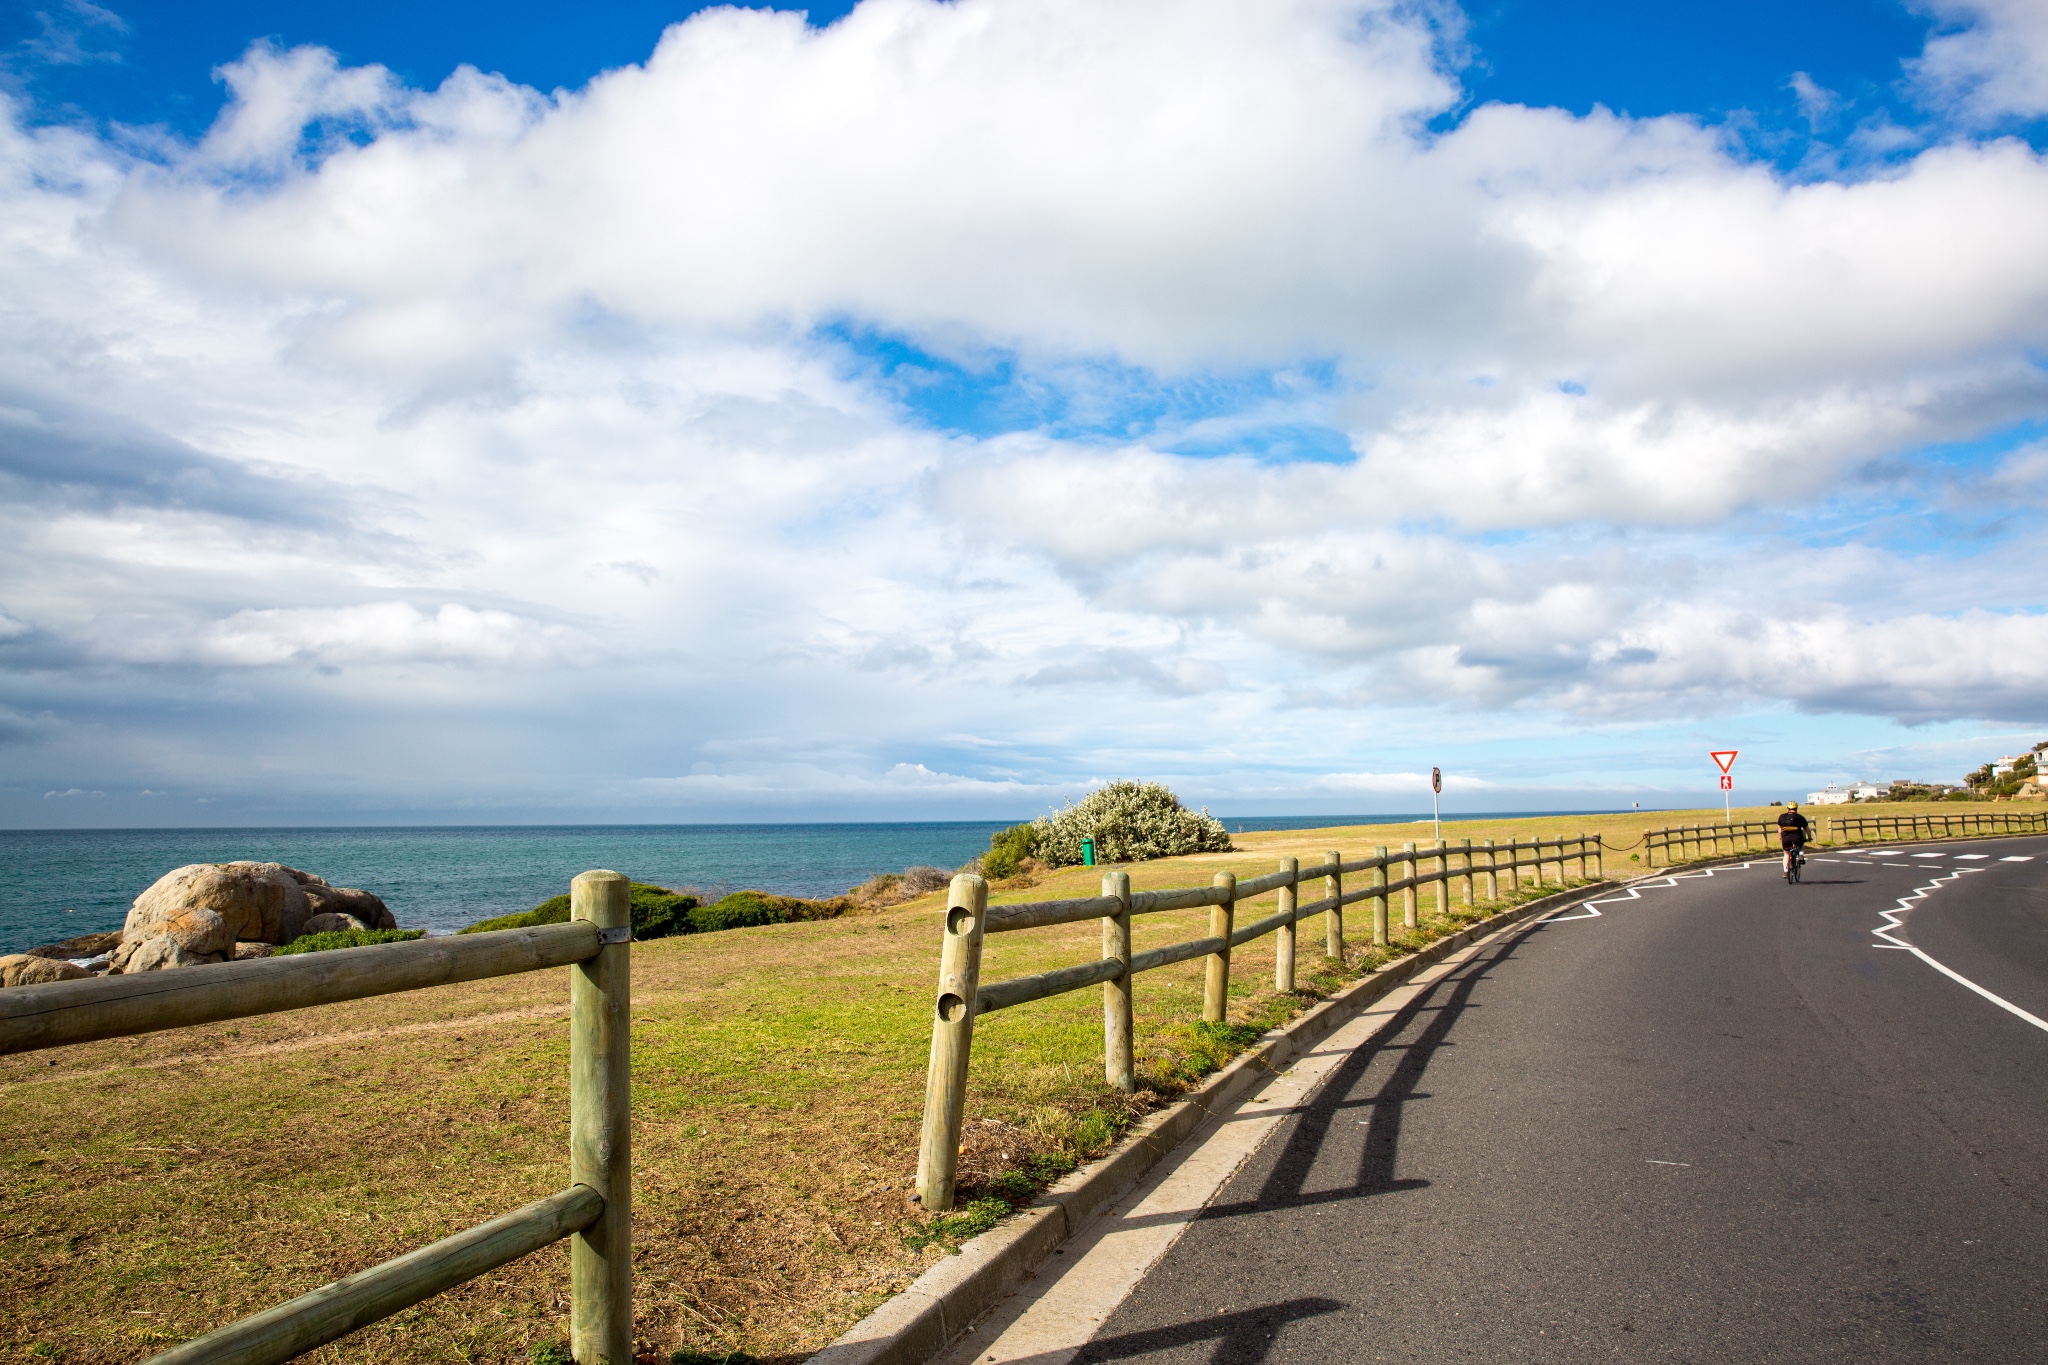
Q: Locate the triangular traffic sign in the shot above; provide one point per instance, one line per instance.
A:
(1724, 757)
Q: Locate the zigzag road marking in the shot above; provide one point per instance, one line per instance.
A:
(1892, 917)
(1635, 892)
(1896, 915)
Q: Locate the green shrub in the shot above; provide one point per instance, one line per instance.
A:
(1130, 822)
(346, 938)
(1007, 850)
(552, 1352)
(740, 910)
(656, 912)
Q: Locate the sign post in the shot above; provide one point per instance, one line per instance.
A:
(1436, 787)
(1725, 759)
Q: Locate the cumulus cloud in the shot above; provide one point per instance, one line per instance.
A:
(1993, 63)
(563, 399)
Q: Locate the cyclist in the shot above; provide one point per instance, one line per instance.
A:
(1793, 830)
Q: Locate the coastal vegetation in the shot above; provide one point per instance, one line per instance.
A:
(658, 912)
(159, 1186)
(345, 938)
(1129, 822)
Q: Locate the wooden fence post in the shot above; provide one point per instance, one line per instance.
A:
(1440, 894)
(1514, 873)
(1466, 845)
(601, 1123)
(1283, 940)
(1600, 857)
(1492, 875)
(1119, 1062)
(1380, 937)
(1408, 865)
(1333, 922)
(945, 1082)
(1216, 980)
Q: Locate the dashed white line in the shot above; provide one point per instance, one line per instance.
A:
(1930, 855)
(2021, 858)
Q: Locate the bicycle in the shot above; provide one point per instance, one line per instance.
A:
(1795, 859)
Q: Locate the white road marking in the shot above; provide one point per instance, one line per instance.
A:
(1592, 908)
(1971, 857)
(2022, 858)
(1897, 915)
(1884, 852)
(1930, 855)
(1652, 1161)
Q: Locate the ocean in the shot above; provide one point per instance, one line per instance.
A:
(57, 884)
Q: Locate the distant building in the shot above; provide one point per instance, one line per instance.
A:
(1837, 795)
(2004, 765)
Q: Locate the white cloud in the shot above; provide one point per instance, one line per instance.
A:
(1993, 64)
(526, 395)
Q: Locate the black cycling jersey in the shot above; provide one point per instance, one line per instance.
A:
(1793, 829)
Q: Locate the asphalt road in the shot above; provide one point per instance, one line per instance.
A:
(1721, 1122)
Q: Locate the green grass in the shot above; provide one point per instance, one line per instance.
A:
(346, 938)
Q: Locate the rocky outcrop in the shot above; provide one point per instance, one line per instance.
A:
(85, 945)
(214, 912)
(346, 900)
(26, 969)
(332, 923)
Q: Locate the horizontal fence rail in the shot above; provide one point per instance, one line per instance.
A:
(61, 1012)
(1687, 843)
(1858, 829)
(595, 1212)
(961, 996)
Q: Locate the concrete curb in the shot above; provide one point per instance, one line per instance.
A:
(918, 1324)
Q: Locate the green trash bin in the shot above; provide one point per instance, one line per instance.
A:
(1087, 853)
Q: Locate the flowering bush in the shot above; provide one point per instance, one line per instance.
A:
(1130, 822)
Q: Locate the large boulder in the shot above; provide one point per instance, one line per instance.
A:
(26, 969)
(260, 901)
(201, 913)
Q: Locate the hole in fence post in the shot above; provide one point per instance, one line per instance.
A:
(945, 1091)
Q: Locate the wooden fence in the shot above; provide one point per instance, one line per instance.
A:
(1857, 829)
(1687, 843)
(595, 1211)
(969, 918)
(1684, 843)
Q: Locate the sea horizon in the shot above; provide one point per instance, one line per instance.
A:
(57, 884)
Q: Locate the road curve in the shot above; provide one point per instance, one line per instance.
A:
(1721, 1119)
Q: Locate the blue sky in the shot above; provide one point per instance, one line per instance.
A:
(535, 413)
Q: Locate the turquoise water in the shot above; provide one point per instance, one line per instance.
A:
(56, 884)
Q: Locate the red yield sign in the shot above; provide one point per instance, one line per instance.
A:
(1726, 759)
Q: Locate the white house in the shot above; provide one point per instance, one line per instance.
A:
(1835, 795)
